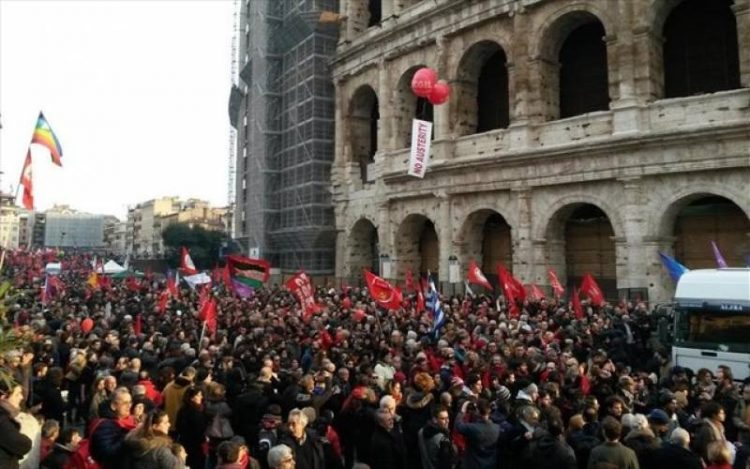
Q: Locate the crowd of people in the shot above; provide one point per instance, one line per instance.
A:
(106, 375)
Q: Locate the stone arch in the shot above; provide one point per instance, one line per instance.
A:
(664, 220)
(700, 51)
(542, 230)
(571, 50)
(693, 221)
(486, 237)
(363, 14)
(406, 106)
(364, 114)
(580, 240)
(417, 246)
(481, 88)
(363, 248)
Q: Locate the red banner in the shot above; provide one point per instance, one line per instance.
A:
(475, 276)
(557, 287)
(301, 287)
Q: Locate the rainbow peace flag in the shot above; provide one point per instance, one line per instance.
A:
(43, 135)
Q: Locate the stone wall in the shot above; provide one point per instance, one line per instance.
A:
(640, 162)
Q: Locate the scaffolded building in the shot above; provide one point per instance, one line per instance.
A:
(282, 108)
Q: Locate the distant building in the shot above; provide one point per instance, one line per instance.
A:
(115, 236)
(37, 229)
(143, 229)
(9, 222)
(69, 228)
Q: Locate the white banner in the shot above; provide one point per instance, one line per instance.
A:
(197, 279)
(421, 133)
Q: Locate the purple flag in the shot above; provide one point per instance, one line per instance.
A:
(719, 258)
(242, 290)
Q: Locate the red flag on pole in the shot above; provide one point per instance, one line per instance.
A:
(26, 182)
(509, 290)
(138, 324)
(590, 288)
(163, 300)
(535, 293)
(186, 263)
(208, 314)
(557, 287)
(576, 302)
(475, 276)
(380, 290)
(302, 289)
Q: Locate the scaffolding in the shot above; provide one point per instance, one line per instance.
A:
(232, 144)
(286, 134)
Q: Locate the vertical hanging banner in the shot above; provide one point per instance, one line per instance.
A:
(419, 158)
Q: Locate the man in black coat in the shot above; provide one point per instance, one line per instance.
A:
(676, 453)
(108, 433)
(387, 450)
(13, 444)
(308, 451)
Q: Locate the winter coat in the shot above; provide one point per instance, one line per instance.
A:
(416, 412)
(616, 455)
(106, 441)
(13, 444)
(644, 443)
(191, 427)
(151, 453)
(172, 396)
(546, 451)
(672, 456)
(57, 458)
(308, 455)
(387, 449)
(436, 449)
(481, 442)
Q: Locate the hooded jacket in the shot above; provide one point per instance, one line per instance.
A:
(172, 396)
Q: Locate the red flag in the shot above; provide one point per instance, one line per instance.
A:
(301, 288)
(208, 315)
(172, 287)
(226, 276)
(577, 308)
(398, 299)
(133, 284)
(410, 281)
(325, 340)
(557, 287)
(380, 290)
(26, 182)
(512, 284)
(535, 293)
(138, 324)
(475, 276)
(163, 300)
(186, 263)
(590, 288)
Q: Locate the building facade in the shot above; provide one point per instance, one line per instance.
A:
(581, 135)
(143, 225)
(10, 222)
(115, 236)
(283, 110)
(67, 228)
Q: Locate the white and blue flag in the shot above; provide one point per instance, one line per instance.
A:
(434, 306)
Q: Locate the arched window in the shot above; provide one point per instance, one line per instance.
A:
(700, 49)
(375, 11)
(583, 71)
(363, 122)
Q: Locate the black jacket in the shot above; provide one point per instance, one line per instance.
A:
(387, 450)
(546, 451)
(672, 456)
(310, 454)
(57, 458)
(13, 444)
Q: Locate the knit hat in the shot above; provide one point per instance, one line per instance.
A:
(658, 417)
(503, 394)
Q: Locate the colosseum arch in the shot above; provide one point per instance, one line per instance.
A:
(417, 246)
(363, 14)
(485, 237)
(696, 219)
(481, 89)
(700, 49)
(407, 106)
(580, 239)
(572, 57)
(364, 114)
(363, 251)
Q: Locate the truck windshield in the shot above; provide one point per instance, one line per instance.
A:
(696, 325)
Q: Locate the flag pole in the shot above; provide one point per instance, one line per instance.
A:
(203, 333)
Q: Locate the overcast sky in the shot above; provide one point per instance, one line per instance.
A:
(135, 90)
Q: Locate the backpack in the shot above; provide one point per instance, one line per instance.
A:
(81, 457)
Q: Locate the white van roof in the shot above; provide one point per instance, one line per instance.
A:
(714, 284)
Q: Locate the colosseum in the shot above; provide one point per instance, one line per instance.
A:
(581, 135)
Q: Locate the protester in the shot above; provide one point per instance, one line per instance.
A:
(13, 444)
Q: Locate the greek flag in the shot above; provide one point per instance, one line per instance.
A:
(433, 305)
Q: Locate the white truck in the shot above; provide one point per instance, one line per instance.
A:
(712, 320)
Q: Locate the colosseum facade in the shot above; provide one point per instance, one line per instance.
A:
(581, 135)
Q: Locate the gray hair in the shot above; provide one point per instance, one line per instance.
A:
(527, 412)
(301, 416)
(387, 399)
(277, 454)
(680, 436)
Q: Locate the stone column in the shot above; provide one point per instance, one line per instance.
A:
(660, 285)
(442, 112)
(384, 108)
(445, 238)
(342, 248)
(742, 13)
(523, 266)
(386, 235)
(631, 260)
(340, 123)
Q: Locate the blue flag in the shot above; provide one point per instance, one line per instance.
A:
(674, 268)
